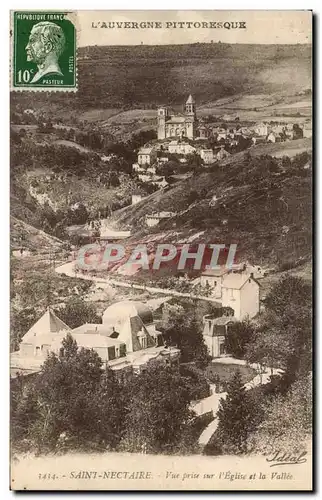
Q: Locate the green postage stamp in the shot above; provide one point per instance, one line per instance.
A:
(43, 55)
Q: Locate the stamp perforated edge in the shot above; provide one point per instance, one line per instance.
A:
(72, 16)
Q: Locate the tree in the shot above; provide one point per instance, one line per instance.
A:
(268, 348)
(288, 421)
(234, 418)
(21, 320)
(23, 409)
(78, 406)
(289, 290)
(238, 336)
(76, 312)
(184, 330)
(158, 411)
(284, 338)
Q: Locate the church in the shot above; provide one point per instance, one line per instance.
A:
(178, 125)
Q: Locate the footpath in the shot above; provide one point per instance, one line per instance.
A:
(69, 269)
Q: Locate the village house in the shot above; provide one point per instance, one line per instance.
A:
(277, 129)
(180, 147)
(147, 156)
(256, 271)
(245, 131)
(207, 155)
(240, 291)
(144, 177)
(259, 139)
(203, 132)
(222, 134)
(151, 170)
(274, 137)
(261, 129)
(160, 182)
(307, 130)
(222, 154)
(213, 278)
(126, 340)
(136, 198)
(215, 333)
(289, 134)
(154, 219)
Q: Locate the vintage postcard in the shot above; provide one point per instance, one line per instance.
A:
(161, 257)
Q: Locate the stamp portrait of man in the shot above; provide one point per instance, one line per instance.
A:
(45, 45)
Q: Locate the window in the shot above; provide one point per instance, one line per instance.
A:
(215, 283)
(111, 352)
(221, 348)
(143, 342)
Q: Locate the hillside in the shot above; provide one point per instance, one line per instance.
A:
(32, 239)
(261, 203)
(265, 210)
(145, 76)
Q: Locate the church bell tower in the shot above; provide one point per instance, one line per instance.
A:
(162, 116)
(190, 107)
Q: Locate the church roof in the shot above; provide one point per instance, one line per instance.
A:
(179, 119)
(47, 324)
(190, 100)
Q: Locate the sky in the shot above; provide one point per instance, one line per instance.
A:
(262, 27)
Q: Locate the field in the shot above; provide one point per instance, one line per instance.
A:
(289, 148)
(137, 77)
(226, 371)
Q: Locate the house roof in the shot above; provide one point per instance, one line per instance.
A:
(94, 328)
(95, 340)
(44, 339)
(117, 312)
(190, 100)
(224, 320)
(129, 333)
(215, 272)
(236, 280)
(48, 323)
(145, 151)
